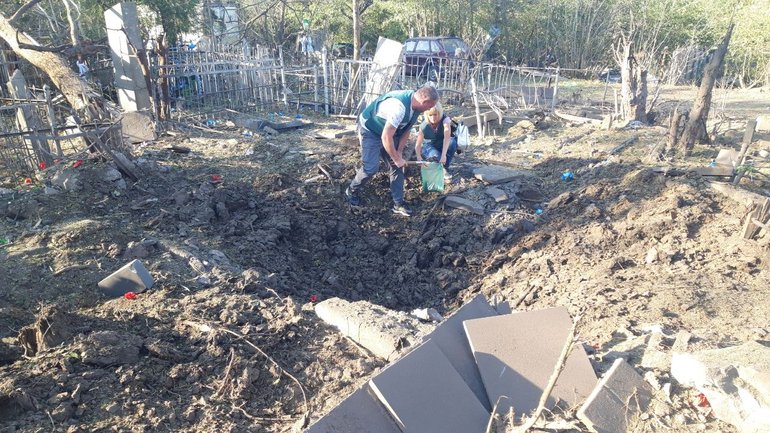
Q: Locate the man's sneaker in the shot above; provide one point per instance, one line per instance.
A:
(402, 209)
(353, 199)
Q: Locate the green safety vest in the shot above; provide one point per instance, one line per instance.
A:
(377, 124)
(429, 134)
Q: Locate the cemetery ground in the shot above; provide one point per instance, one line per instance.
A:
(243, 234)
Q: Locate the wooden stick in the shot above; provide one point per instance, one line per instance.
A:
(747, 137)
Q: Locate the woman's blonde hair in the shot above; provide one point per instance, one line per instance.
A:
(436, 109)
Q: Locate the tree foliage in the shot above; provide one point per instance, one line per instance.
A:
(578, 33)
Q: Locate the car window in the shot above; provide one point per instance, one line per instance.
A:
(423, 46)
(435, 47)
(451, 45)
(410, 45)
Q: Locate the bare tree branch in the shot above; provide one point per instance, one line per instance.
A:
(74, 37)
(32, 47)
(22, 10)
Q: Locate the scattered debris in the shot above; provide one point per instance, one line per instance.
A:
(735, 380)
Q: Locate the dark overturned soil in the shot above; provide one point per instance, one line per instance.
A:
(243, 233)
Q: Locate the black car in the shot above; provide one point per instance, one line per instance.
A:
(423, 55)
(342, 50)
(610, 75)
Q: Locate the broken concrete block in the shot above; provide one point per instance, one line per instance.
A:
(727, 157)
(652, 256)
(449, 336)
(616, 402)
(517, 353)
(735, 380)
(379, 330)
(458, 202)
(681, 341)
(424, 393)
(654, 357)
(67, 180)
(111, 174)
(494, 174)
(360, 412)
(496, 193)
(763, 123)
(137, 127)
(132, 277)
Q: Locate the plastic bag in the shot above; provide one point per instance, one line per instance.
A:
(463, 136)
(432, 177)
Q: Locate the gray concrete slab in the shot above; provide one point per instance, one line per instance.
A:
(458, 202)
(517, 353)
(133, 277)
(497, 194)
(425, 394)
(616, 402)
(449, 336)
(494, 174)
(360, 412)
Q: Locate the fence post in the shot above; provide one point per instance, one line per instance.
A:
(315, 87)
(283, 77)
(52, 119)
(474, 94)
(555, 100)
(326, 80)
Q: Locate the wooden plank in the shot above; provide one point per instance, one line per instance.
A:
(755, 220)
(747, 137)
(717, 170)
(625, 144)
(742, 196)
(487, 116)
(577, 119)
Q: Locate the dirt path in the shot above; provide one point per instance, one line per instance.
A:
(241, 233)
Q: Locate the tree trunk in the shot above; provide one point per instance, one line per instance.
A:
(675, 122)
(633, 88)
(695, 129)
(356, 31)
(76, 91)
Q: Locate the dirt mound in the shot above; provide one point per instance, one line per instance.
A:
(242, 235)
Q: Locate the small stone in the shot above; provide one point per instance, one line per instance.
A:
(112, 408)
(652, 256)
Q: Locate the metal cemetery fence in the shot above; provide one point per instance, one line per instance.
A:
(204, 83)
(37, 133)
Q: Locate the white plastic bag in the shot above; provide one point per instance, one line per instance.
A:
(463, 137)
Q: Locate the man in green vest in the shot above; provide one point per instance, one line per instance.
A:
(384, 128)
